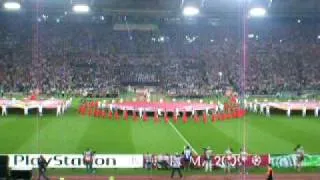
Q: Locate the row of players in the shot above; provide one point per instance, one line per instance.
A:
(186, 159)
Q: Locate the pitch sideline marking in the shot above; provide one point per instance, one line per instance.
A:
(182, 137)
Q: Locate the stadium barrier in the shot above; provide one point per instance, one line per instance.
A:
(290, 160)
(29, 161)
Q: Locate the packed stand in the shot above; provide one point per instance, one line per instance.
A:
(187, 61)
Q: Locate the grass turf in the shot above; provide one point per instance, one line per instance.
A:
(73, 133)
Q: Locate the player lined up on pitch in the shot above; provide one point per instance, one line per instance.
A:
(242, 160)
(299, 156)
(88, 156)
(229, 161)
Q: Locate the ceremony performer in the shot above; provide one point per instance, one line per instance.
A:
(289, 110)
(268, 110)
(146, 95)
(4, 110)
(140, 113)
(34, 95)
(304, 111)
(40, 109)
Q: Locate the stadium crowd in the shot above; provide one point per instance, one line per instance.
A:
(281, 56)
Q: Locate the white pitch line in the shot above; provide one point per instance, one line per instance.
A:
(182, 137)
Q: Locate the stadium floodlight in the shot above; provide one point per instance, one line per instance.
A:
(11, 5)
(80, 8)
(190, 11)
(257, 12)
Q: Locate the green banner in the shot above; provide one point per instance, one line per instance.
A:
(290, 160)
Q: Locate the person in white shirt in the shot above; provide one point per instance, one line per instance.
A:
(207, 111)
(40, 110)
(26, 111)
(242, 160)
(268, 110)
(111, 107)
(221, 108)
(176, 165)
(316, 112)
(216, 109)
(159, 112)
(245, 104)
(208, 159)
(4, 110)
(289, 111)
(161, 161)
(166, 161)
(304, 111)
(88, 160)
(255, 107)
(250, 106)
(187, 154)
(177, 112)
(62, 109)
(228, 160)
(59, 110)
(262, 108)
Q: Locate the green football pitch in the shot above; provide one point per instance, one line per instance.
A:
(73, 133)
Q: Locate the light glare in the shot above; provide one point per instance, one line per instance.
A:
(80, 8)
(250, 36)
(190, 11)
(12, 5)
(257, 12)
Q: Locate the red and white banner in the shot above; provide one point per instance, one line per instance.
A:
(31, 104)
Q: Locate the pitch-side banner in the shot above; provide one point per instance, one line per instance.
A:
(290, 160)
(28, 161)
